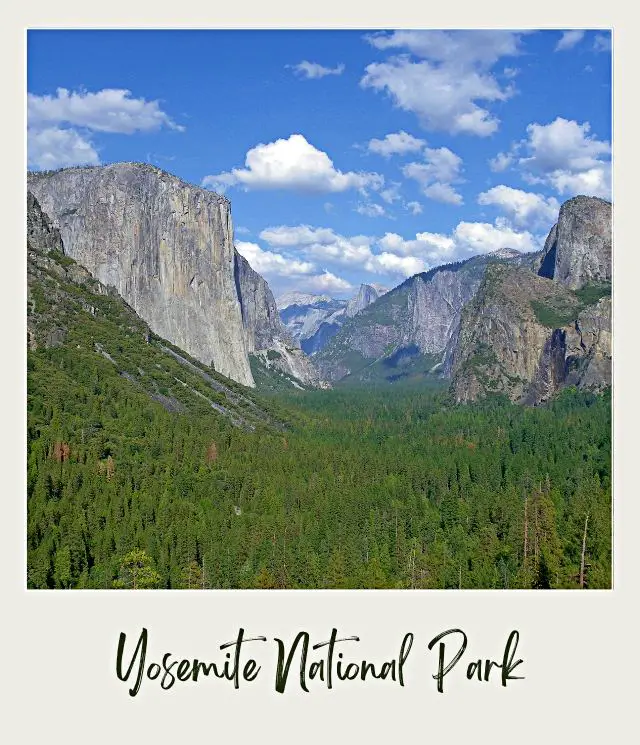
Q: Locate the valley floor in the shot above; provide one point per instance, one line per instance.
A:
(361, 489)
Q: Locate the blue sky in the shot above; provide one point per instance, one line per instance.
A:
(348, 156)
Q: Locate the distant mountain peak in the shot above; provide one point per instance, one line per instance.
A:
(505, 253)
(300, 298)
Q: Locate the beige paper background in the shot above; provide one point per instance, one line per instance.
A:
(579, 649)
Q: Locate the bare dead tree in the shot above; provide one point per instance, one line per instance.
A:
(582, 555)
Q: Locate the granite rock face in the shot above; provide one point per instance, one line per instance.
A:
(166, 247)
(265, 334)
(41, 235)
(421, 315)
(260, 316)
(527, 337)
(365, 296)
(577, 251)
(311, 320)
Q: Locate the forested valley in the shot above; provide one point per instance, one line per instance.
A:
(394, 488)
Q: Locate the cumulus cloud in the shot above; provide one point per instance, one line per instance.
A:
(53, 148)
(467, 239)
(292, 164)
(442, 193)
(414, 207)
(481, 238)
(353, 252)
(391, 193)
(326, 282)
(431, 248)
(452, 75)
(501, 162)
(59, 126)
(369, 209)
(312, 70)
(392, 255)
(284, 270)
(568, 40)
(436, 174)
(396, 143)
(109, 110)
(268, 262)
(322, 244)
(565, 156)
(392, 264)
(467, 48)
(525, 209)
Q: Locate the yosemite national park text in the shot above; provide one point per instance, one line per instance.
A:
(326, 663)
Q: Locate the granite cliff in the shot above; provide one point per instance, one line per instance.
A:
(406, 332)
(314, 320)
(266, 337)
(167, 248)
(528, 334)
(577, 251)
(527, 337)
(524, 325)
(86, 336)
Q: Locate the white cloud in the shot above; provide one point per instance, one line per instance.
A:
(391, 194)
(602, 42)
(268, 262)
(396, 143)
(480, 238)
(525, 209)
(312, 70)
(467, 48)
(59, 125)
(414, 207)
(442, 193)
(326, 282)
(298, 235)
(292, 164)
(467, 239)
(444, 87)
(53, 148)
(370, 209)
(501, 162)
(403, 266)
(440, 169)
(391, 255)
(108, 110)
(355, 252)
(431, 248)
(564, 155)
(568, 40)
(322, 244)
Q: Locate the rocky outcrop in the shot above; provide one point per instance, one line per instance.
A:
(301, 299)
(527, 337)
(577, 251)
(166, 246)
(260, 316)
(265, 334)
(167, 249)
(313, 320)
(421, 315)
(304, 320)
(365, 296)
(41, 235)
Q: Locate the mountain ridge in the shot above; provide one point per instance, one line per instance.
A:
(167, 247)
